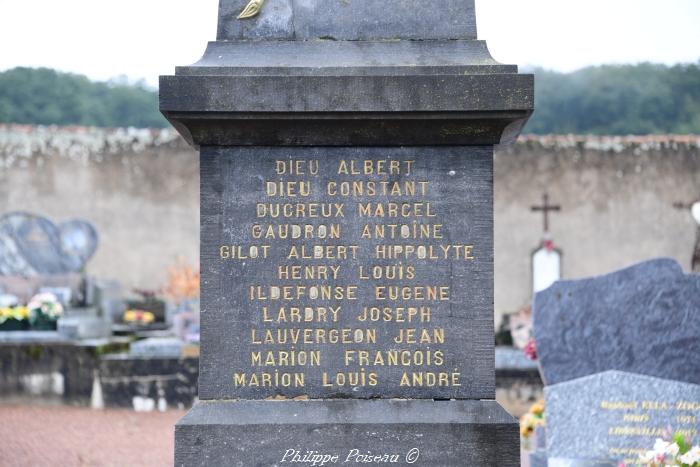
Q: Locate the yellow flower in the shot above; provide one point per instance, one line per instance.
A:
(139, 316)
(21, 312)
(537, 409)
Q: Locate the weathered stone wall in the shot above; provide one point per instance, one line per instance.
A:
(617, 198)
(140, 189)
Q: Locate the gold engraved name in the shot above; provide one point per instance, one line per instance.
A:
(299, 292)
(417, 292)
(395, 210)
(382, 188)
(375, 167)
(297, 314)
(275, 379)
(425, 252)
(285, 231)
(313, 336)
(394, 357)
(430, 379)
(286, 358)
(397, 315)
(405, 231)
(323, 252)
(420, 336)
(299, 210)
(307, 272)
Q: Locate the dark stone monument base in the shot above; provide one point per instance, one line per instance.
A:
(399, 432)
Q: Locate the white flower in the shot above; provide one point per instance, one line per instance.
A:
(44, 297)
(660, 445)
(672, 449)
(691, 456)
(656, 455)
(47, 303)
(647, 457)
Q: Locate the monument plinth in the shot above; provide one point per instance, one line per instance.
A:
(347, 234)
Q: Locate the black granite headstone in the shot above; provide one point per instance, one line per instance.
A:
(643, 319)
(347, 235)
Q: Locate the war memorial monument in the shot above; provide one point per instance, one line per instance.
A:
(346, 218)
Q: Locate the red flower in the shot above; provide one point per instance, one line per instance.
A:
(530, 349)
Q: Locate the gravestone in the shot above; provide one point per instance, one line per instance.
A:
(643, 319)
(83, 323)
(32, 245)
(160, 347)
(614, 416)
(347, 235)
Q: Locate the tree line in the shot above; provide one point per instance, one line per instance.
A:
(610, 99)
(618, 100)
(43, 96)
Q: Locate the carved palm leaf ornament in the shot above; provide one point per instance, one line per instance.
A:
(251, 9)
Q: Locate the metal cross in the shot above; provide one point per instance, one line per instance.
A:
(545, 208)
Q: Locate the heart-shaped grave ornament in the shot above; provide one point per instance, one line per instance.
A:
(32, 245)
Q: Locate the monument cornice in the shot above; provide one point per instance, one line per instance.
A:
(347, 93)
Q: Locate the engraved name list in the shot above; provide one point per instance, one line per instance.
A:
(353, 276)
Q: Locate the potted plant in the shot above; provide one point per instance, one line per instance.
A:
(138, 317)
(14, 318)
(44, 311)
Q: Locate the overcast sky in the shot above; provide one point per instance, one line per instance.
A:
(145, 38)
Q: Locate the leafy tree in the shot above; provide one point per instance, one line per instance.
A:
(610, 99)
(618, 99)
(45, 96)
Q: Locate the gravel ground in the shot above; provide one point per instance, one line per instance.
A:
(72, 436)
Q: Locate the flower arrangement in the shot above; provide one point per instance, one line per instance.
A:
(183, 282)
(532, 419)
(675, 452)
(14, 318)
(530, 349)
(44, 311)
(140, 317)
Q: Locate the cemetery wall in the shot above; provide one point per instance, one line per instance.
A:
(140, 190)
(616, 196)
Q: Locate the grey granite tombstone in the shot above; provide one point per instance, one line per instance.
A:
(32, 245)
(158, 347)
(83, 323)
(346, 235)
(614, 416)
(643, 319)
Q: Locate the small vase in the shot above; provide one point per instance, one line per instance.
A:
(14, 325)
(43, 323)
